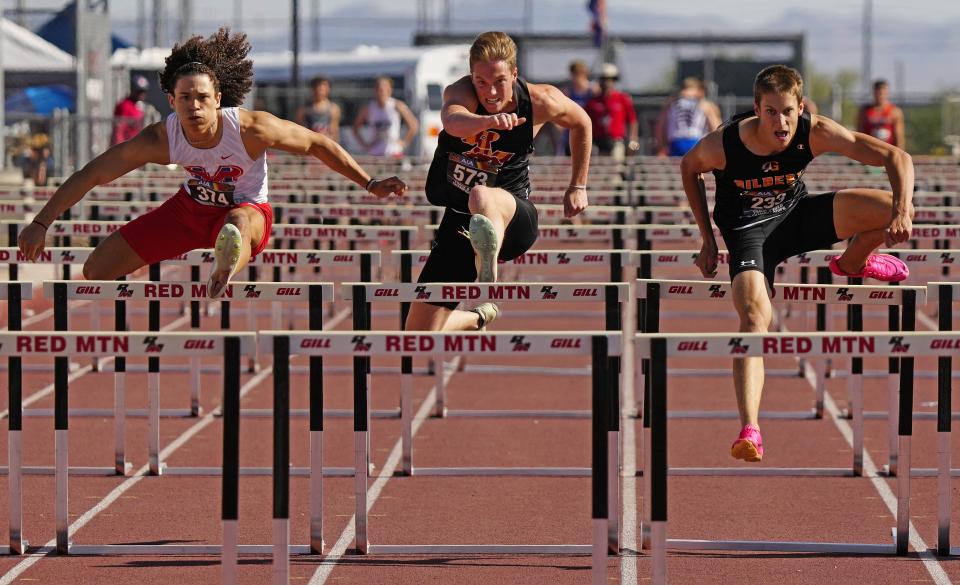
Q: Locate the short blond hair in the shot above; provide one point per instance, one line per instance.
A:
(493, 46)
(778, 79)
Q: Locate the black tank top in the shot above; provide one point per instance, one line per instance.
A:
(496, 158)
(754, 189)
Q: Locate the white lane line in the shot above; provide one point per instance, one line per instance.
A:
(930, 562)
(329, 561)
(118, 491)
(50, 547)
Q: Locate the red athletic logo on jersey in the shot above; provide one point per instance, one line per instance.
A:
(223, 174)
(483, 147)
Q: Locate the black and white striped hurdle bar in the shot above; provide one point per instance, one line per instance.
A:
(659, 348)
(120, 292)
(944, 295)
(14, 293)
(61, 345)
(598, 345)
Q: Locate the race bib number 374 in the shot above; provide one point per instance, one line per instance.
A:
(216, 194)
(464, 173)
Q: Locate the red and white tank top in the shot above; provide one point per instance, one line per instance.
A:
(222, 176)
(879, 122)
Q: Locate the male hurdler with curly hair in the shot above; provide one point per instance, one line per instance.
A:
(223, 201)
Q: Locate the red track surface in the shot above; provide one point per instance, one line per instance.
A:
(422, 510)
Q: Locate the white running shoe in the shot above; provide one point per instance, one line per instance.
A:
(488, 313)
(226, 256)
(483, 238)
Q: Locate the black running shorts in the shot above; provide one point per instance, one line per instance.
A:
(809, 226)
(452, 256)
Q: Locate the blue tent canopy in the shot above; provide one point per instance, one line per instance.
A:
(60, 31)
(43, 99)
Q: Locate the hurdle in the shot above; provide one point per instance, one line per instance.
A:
(146, 343)
(15, 293)
(599, 345)
(612, 295)
(653, 291)
(944, 295)
(659, 348)
(155, 292)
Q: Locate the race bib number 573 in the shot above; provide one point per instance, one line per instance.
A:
(465, 173)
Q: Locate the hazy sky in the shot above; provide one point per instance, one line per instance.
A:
(921, 37)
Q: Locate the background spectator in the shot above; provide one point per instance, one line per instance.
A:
(383, 115)
(615, 127)
(321, 114)
(685, 119)
(133, 112)
(882, 119)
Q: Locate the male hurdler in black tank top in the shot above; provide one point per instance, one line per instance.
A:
(762, 206)
(494, 158)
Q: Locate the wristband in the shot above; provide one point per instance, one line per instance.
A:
(370, 182)
(584, 187)
(46, 227)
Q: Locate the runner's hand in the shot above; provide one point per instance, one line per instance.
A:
(899, 230)
(381, 188)
(504, 121)
(31, 241)
(707, 259)
(574, 201)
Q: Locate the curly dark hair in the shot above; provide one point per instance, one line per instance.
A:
(222, 56)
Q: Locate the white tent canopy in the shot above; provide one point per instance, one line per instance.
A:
(24, 51)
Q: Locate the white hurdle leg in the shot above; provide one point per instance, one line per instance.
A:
(95, 326)
(855, 390)
(119, 422)
(820, 369)
(316, 492)
(943, 492)
(599, 554)
(613, 491)
(62, 506)
(15, 489)
(659, 545)
(893, 422)
(153, 426)
(360, 488)
(228, 554)
(281, 551)
(194, 386)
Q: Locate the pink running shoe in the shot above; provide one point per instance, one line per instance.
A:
(882, 267)
(749, 445)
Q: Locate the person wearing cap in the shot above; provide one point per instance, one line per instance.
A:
(133, 112)
(614, 119)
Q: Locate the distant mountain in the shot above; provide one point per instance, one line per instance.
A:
(928, 51)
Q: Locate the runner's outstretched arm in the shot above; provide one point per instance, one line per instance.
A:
(150, 145)
(273, 132)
